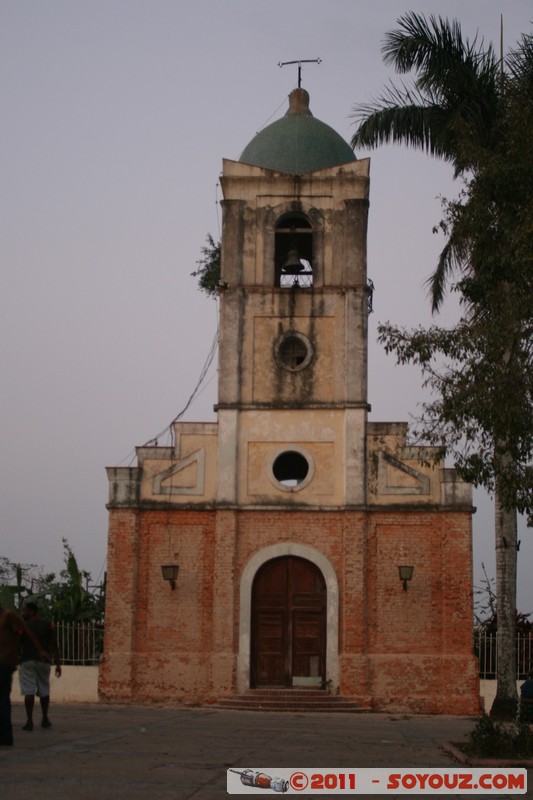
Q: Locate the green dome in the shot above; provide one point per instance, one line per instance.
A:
(297, 143)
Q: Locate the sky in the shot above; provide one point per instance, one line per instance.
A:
(116, 117)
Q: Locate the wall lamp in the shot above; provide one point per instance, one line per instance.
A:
(406, 574)
(170, 573)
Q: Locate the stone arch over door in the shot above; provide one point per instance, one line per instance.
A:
(245, 619)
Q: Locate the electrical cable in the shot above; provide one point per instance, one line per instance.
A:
(194, 394)
(270, 117)
(283, 102)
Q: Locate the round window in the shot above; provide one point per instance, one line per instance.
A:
(292, 470)
(294, 352)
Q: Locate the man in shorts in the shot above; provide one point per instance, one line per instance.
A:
(34, 672)
(12, 628)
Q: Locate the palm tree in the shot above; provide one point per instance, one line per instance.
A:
(453, 110)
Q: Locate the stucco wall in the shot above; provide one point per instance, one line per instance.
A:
(487, 693)
(80, 685)
(76, 685)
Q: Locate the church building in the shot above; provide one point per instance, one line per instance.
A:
(318, 552)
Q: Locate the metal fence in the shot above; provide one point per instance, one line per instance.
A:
(80, 644)
(485, 649)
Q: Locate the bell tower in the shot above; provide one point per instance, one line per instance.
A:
(294, 304)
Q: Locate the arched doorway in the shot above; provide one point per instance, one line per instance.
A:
(288, 647)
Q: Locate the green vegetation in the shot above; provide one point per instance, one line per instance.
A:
(68, 597)
(208, 272)
(490, 739)
(475, 111)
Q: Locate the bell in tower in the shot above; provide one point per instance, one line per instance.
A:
(294, 313)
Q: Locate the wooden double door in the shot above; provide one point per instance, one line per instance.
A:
(288, 624)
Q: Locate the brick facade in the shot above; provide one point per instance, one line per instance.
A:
(398, 651)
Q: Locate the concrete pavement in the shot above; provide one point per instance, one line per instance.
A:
(111, 752)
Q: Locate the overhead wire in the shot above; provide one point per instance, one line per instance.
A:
(194, 394)
(217, 206)
(273, 113)
(265, 123)
(199, 388)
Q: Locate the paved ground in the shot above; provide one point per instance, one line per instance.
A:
(108, 752)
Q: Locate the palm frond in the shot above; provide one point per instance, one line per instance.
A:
(425, 45)
(519, 62)
(410, 125)
(437, 282)
(451, 108)
(405, 116)
(454, 258)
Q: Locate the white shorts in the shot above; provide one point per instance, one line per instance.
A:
(34, 677)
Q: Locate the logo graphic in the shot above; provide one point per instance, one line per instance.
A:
(261, 781)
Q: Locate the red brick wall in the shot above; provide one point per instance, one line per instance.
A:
(420, 640)
(158, 642)
(399, 650)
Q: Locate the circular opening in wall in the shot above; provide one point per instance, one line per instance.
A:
(291, 469)
(294, 352)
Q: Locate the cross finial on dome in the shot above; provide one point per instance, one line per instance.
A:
(300, 62)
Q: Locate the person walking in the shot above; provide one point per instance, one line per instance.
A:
(34, 671)
(12, 627)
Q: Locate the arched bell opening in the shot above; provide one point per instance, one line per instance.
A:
(293, 252)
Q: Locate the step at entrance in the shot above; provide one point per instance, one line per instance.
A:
(294, 700)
